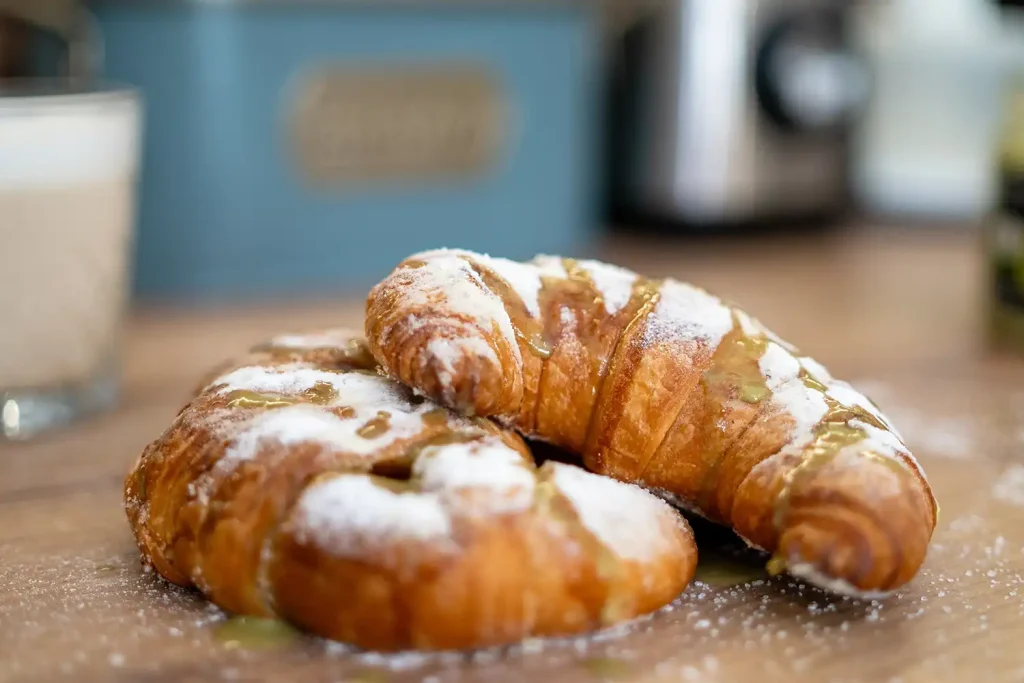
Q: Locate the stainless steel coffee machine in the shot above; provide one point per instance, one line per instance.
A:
(729, 112)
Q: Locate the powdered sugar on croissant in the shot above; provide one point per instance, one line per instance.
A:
(301, 483)
(661, 383)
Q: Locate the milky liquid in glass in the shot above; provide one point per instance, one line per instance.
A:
(67, 194)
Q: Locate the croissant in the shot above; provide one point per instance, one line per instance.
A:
(301, 484)
(658, 382)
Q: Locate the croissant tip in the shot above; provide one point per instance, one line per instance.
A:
(809, 573)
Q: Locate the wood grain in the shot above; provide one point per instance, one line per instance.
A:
(897, 313)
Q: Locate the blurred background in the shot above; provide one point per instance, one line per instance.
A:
(162, 157)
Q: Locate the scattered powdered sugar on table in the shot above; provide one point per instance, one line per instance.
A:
(484, 474)
(550, 652)
(1009, 487)
(623, 517)
(686, 313)
(98, 611)
(948, 437)
(955, 437)
(73, 615)
(350, 515)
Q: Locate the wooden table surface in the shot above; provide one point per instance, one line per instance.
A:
(899, 313)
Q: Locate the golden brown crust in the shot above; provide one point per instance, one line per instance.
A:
(484, 387)
(580, 344)
(300, 483)
(528, 574)
(661, 383)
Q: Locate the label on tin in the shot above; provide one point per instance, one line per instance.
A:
(407, 122)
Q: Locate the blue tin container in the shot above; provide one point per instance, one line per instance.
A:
(305, 148)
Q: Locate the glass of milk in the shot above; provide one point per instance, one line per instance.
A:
(68, 164)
